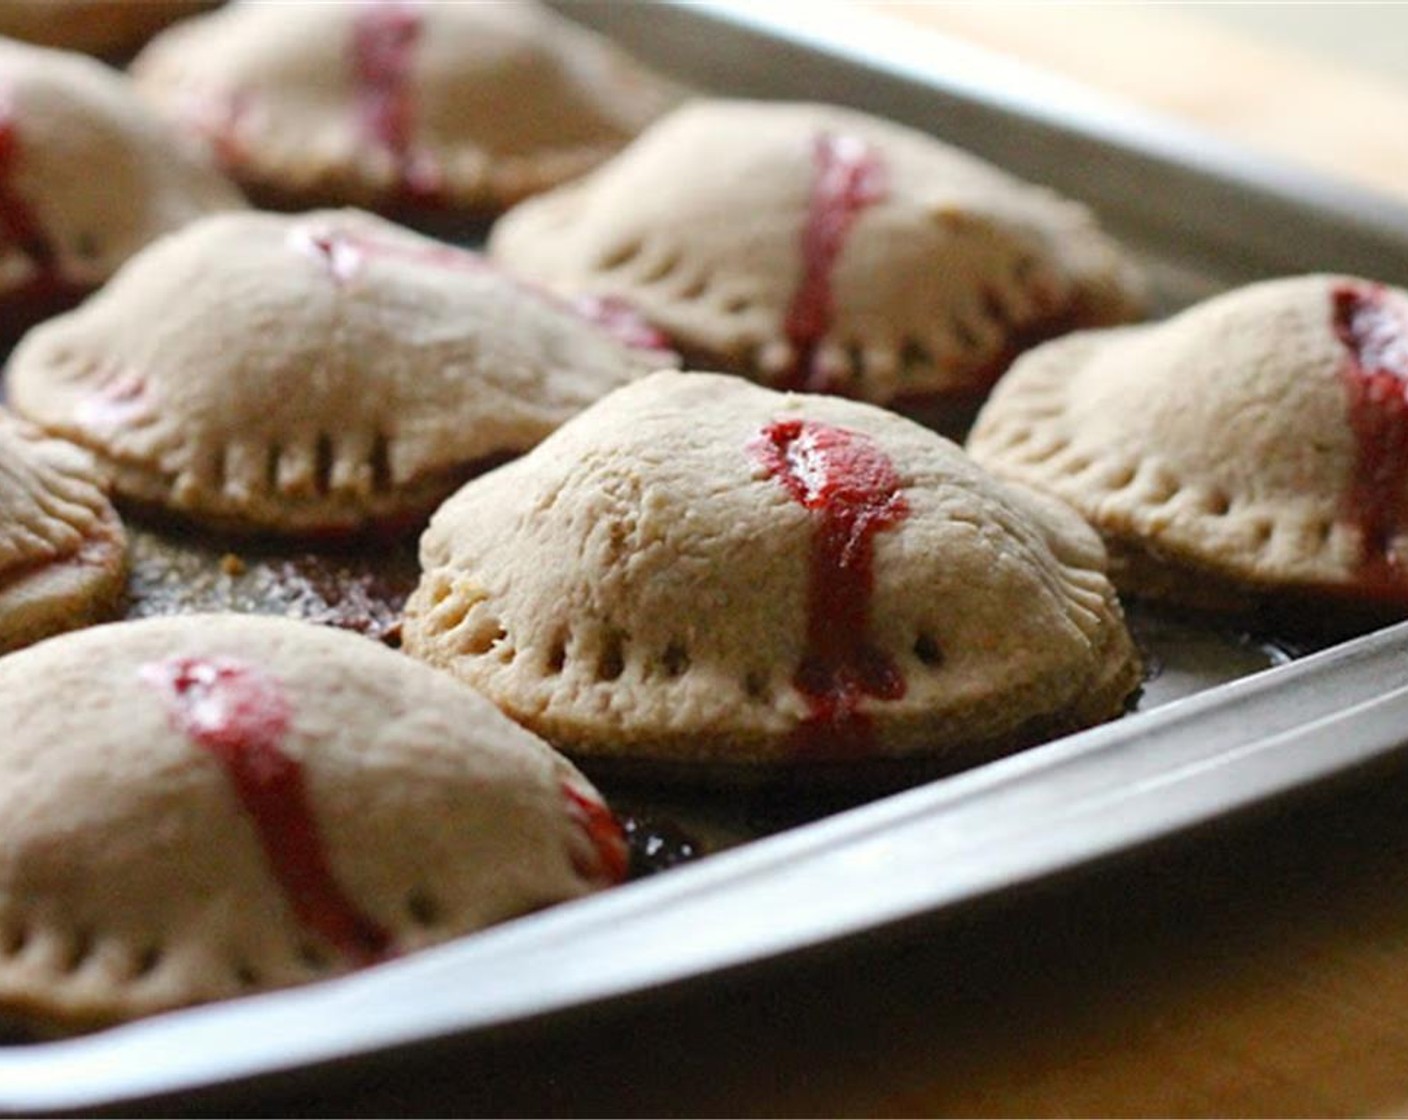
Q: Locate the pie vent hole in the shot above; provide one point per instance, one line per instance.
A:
(928, 651)
(77, 949)
(87, 246)
(246, 975)
(557, 655)
(380, 462)
(995, 308)
(14, 938)
(675, 659)
(914, 355)
(452, 613)
(220, 469)
(323, 463)
(1163, 488)
(1218, 503)
(612, 662)
(696, 289)
(621, 255)
(484, 637)
(855, 359)
(755, 685)
(314, 957)
(964, 334)
(1014, 435)
(272, 454)
(737, 305)
(1123, 477)
(1042, 454)
(423, 908)
(147, 961)
(1324, 531)
(662, 269)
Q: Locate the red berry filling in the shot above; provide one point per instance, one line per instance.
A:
(853, 492)
(849, 176)
(384, 40)
(604, 831)
(1372, 324)
(240, 715)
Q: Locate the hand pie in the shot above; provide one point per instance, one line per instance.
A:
(1254, 446)
(88, 175)
(207, 806)
(813, 247)
(324, 373)
(63, 553)
(395, 105)
(711, 579)
(103, 27)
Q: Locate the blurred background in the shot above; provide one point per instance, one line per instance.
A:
(1323, 84)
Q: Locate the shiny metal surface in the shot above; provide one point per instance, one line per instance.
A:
(1206, 217)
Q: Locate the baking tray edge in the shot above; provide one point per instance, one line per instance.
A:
(938, 846)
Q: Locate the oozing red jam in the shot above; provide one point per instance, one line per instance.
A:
(20, 226)
(1372, 324)
(240, 715)
(620, 320)
(119, 400)
(606, 834)
(384, 39)
(853, 492)
(219, 116)
(337, 252)
(849, 176)
(343, 252)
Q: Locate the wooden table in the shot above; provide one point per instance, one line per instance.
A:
(1307, 100)
(1260, 968)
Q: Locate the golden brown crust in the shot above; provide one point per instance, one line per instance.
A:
(1214, 452)
(637, 588)
(64, 116)
(926, 285)
(63, 552)
(135, 874)
(479, 105)
(320, 373)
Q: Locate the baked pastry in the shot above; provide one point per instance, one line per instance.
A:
(1254, 446)
(814, 247)
(708, 578)
(63, 552)
(111, 28)
(395, 105)
(88, 175)
(321, 373)
(201, 807)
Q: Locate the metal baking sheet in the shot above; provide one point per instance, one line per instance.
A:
(1202, 216)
